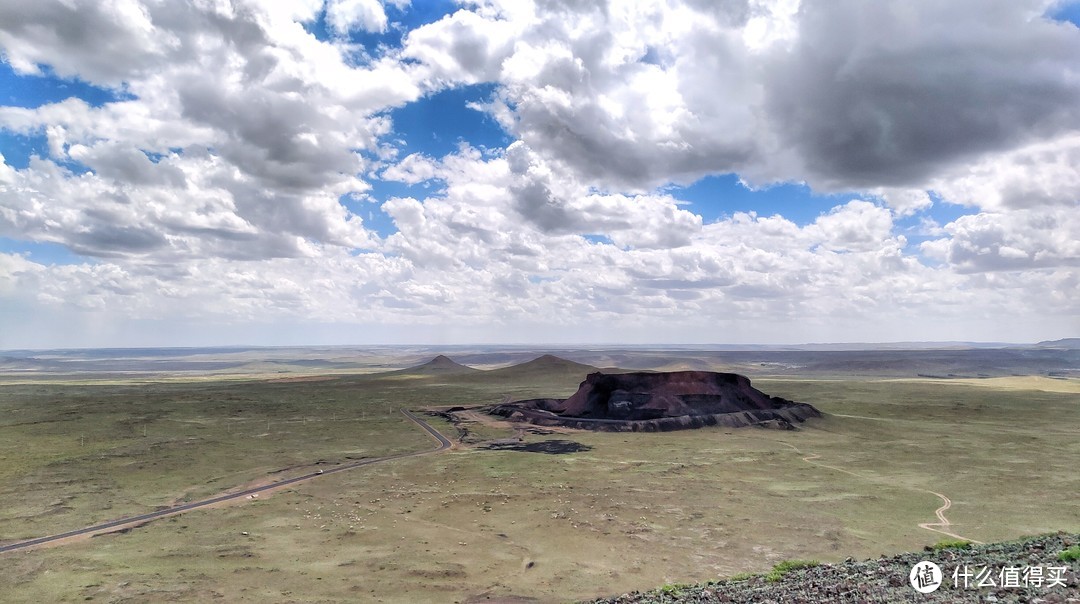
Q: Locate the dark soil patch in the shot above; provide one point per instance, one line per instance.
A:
(550, 447)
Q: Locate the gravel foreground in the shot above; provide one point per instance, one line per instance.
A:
(1011, 569)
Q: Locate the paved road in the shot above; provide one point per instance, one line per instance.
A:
(444, 444)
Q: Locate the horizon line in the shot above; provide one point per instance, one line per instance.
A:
(924, 343)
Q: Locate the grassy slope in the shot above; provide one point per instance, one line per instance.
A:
(633, 512)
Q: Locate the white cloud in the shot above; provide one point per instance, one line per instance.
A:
(631, 95)
(1017, 240)
(185, 205)
(771, 22)
(904, 201)
(346, 15)
(1043, 173)
(243, 132)
(463, 47)
(213, 191)
(415, 168)
(856, 226)
(887, 94)
(61, 35)
(14, 270)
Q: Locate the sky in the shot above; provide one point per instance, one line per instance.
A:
(220, 172)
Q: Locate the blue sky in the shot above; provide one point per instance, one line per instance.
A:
(403, 21)
(40, 89)
(464, 169)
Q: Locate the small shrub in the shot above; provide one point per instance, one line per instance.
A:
(787, 566)
(1070, 555)
(950, 544)
(671, 589)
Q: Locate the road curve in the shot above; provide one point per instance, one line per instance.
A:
(943, 522)
(444, 444)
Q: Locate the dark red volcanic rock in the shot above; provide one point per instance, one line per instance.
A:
(661, 401)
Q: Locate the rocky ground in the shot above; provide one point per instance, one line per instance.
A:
(1011, 567)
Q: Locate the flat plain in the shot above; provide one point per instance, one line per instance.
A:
(618, 512)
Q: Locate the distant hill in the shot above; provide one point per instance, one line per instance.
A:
(547, 365)
(440, 365)
(1067, 343)
(895, 346)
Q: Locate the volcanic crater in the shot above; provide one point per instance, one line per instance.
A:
(659, 402)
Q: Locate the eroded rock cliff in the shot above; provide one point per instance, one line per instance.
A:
(651, 402)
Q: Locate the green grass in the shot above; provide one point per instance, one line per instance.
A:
(1070, 555)
(95, 453)
(673, 589)
(950, 544)
(788, 566)
(633, 512)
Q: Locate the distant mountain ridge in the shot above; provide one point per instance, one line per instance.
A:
(1066, 343)
(1054, 358)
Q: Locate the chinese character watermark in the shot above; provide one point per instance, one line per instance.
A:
(925, 577)
(977, 577)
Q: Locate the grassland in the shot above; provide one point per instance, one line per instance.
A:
(632, 511)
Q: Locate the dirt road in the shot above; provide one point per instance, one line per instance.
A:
(940, 526)
(133, 521)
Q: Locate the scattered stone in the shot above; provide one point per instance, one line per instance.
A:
(886, 580)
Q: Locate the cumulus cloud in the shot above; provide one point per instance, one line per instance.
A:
(213, 187)
(849, 261)
(858, 225)
(1018, 240)
(61, 35)
(465, 47)
(415, 168)
(893, 93)
(185, 205)
(842, 95)
(484, 191)
(1038, 174)
(240, 133)
(633, 98)
(367, 15)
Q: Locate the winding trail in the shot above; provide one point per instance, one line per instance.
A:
(941, 526)
(943, 521)
(141, 519)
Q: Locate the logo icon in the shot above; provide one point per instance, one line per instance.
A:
(925, 577)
